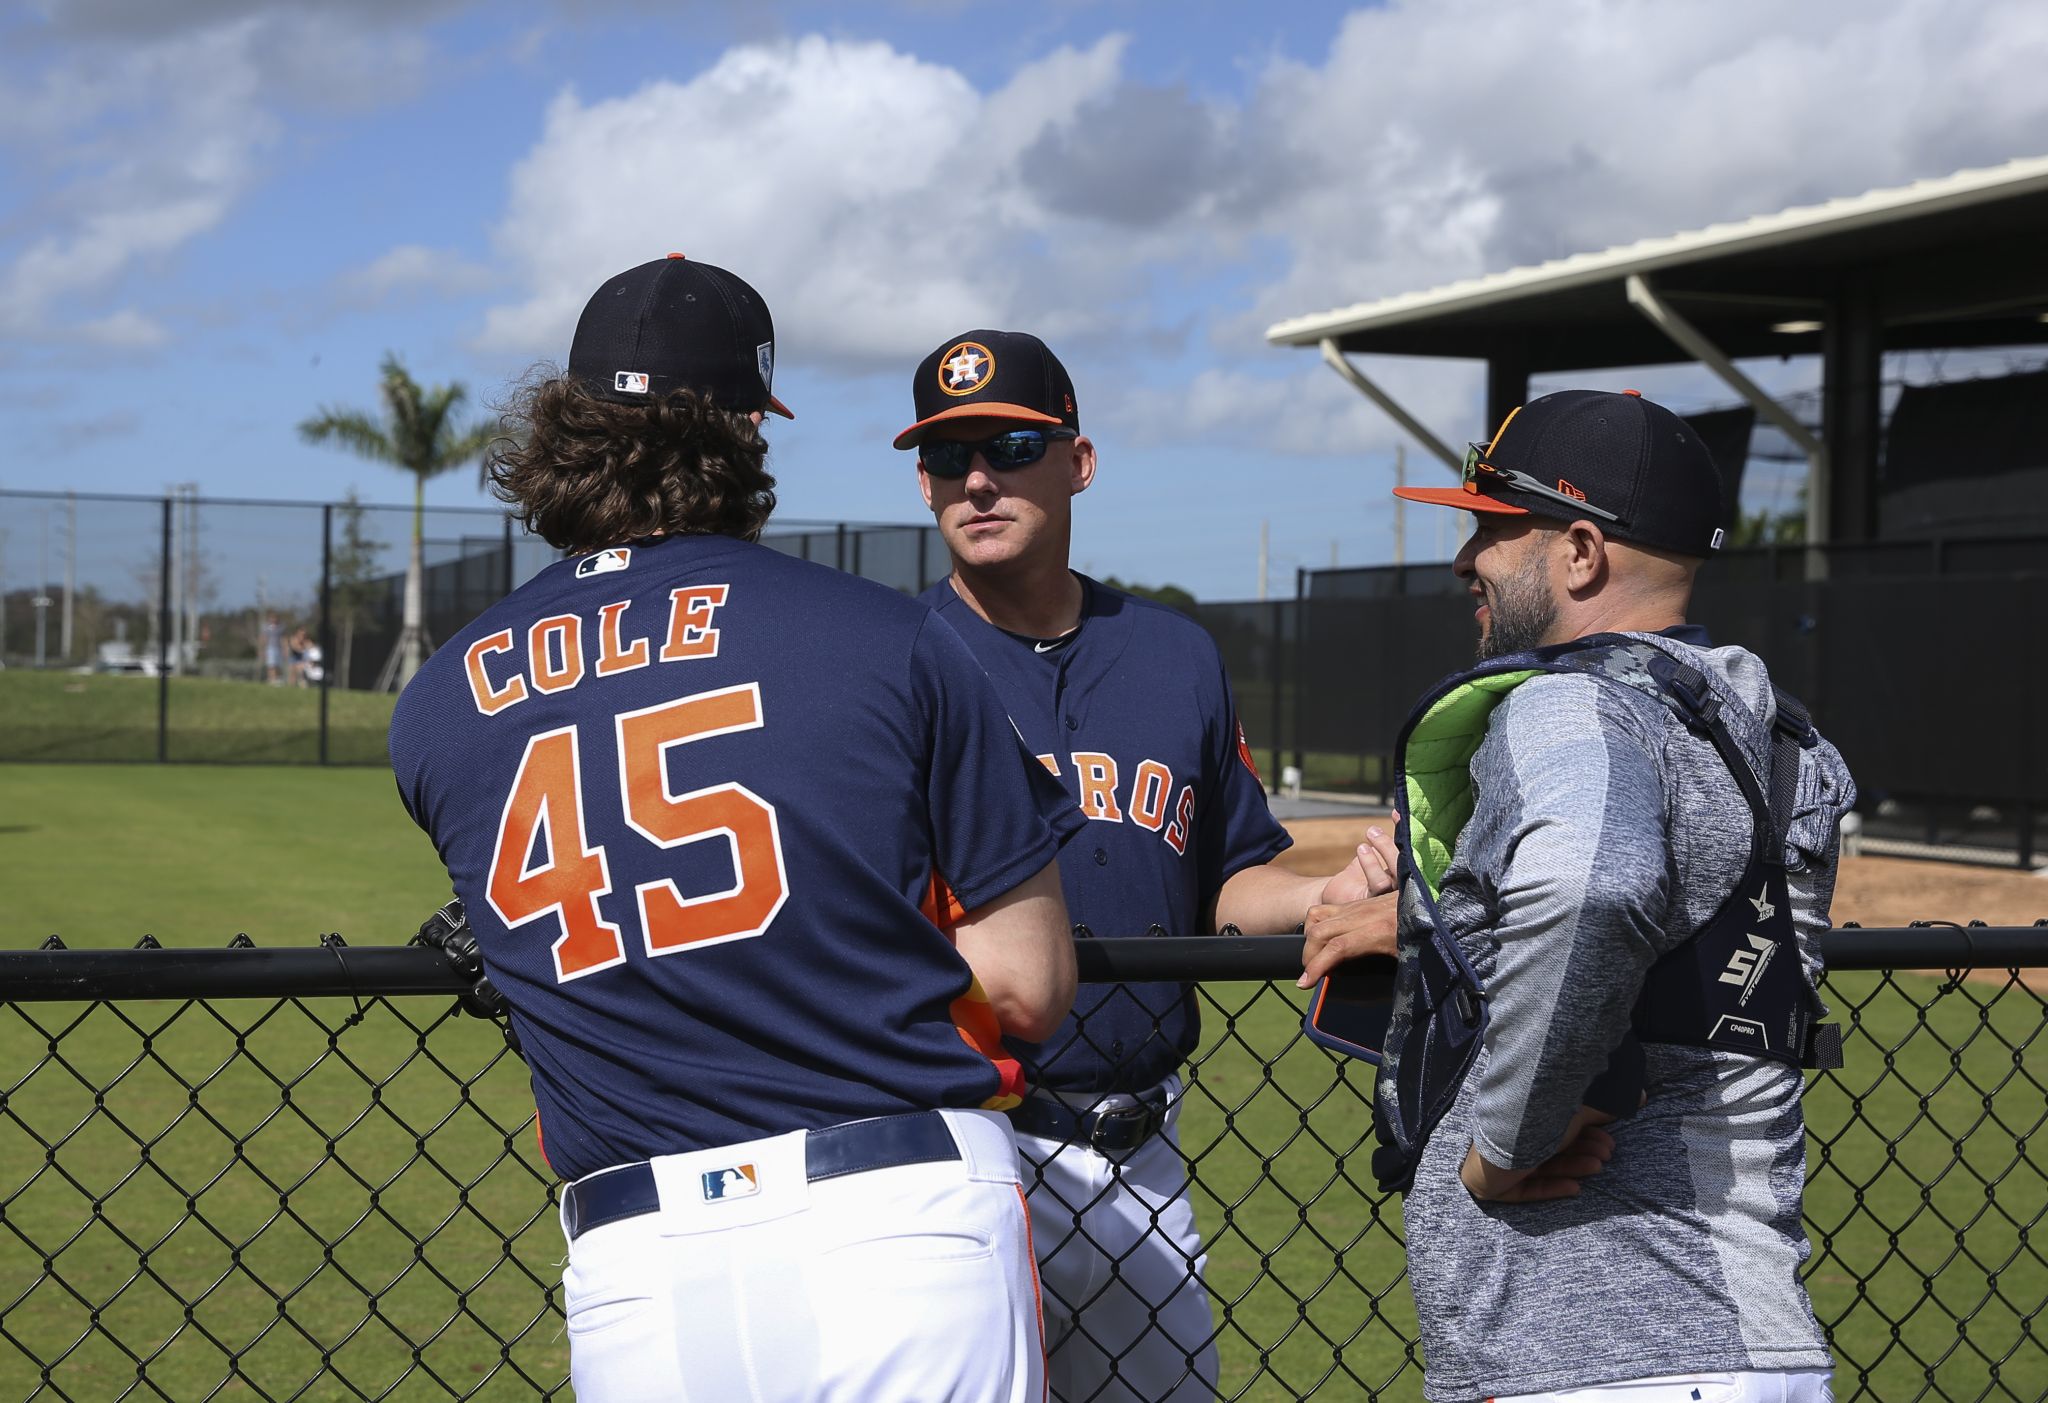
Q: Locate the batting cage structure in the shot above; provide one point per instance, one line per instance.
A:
(308, 1174)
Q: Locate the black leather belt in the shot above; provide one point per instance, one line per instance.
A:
(921, 1137)
(1117, 1123)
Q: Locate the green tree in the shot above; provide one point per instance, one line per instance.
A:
(1767, 528)
(419, 434)
(351, 576)
(1172, 596)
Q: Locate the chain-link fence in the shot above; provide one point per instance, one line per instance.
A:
(186, 628)
(302, 1174)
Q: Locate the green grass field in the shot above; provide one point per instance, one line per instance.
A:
(182, 1186)
(67, 716)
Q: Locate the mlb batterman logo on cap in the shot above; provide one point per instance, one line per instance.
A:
(1619, 460)
(991, 375)
(672, 324)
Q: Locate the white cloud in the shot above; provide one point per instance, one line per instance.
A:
(881, 201)
(125, 330)
(871, 196)
(1463, 136)
(141, 137)
(415, 267)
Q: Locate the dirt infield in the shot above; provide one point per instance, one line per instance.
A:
(1871, 891)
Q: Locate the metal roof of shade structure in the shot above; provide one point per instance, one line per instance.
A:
(1956, 261)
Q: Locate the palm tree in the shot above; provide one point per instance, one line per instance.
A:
(419, 434)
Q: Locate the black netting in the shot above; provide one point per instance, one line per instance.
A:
(310, 1198)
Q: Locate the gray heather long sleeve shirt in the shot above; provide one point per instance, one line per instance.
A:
(1605, 834)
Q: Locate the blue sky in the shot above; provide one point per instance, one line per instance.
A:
(216, 216)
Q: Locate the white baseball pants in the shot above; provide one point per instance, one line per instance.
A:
(756, 1285)
(1120, 1263)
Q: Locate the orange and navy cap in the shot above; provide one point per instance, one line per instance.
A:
(1630, 464)
(676, 325)
(991, 375)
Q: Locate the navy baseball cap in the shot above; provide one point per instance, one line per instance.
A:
(991, 375)
(673, 324)
(1623, 461)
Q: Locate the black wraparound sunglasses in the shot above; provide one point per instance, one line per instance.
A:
(1018, 448)
(1476, 468)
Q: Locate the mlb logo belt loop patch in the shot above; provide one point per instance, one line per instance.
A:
(612, 1195)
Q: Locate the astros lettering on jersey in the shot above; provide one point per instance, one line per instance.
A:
(1173, 805)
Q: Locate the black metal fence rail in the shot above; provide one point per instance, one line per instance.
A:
(245, 970)
(304, 1174)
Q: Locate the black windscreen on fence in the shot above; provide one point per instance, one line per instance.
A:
(309, 1196)
(1881, 643)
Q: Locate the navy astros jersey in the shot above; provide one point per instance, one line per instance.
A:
(702, 803)
(1133, 713)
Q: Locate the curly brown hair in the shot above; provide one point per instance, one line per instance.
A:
(586, 472)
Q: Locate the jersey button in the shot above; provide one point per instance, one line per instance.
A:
(1073, 723)
(1101, 858)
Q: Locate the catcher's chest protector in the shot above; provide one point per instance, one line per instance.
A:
(1736, 984)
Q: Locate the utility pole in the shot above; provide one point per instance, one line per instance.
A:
(1400, 504)
(1265, 531)
(70, 566)
(192, 574)
(41, 598)
(174, 581)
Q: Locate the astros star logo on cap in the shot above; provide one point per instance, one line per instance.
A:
(966, 368)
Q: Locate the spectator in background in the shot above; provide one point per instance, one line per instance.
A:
(273, 649)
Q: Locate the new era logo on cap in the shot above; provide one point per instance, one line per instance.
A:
(677, 325)
(991, 375)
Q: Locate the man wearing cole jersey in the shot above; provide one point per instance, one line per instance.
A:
(752, 850)
(1127, 703)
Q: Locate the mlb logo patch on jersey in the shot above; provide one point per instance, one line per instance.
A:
(735, 1181)
(630, 382)
(604, 562)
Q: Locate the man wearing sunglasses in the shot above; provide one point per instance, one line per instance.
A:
(1128, 704)
(1650, 823)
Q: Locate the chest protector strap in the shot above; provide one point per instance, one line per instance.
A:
(1737, 984)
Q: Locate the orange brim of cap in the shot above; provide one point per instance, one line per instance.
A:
(1459, 497)
(984, 409)
(776, 406)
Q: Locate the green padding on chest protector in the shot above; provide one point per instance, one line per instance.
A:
(1437, 766)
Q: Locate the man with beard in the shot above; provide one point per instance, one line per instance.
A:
(1590, 1088)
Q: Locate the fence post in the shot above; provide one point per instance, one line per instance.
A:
(1279, 689)
(326, 617)
(839, 547)
(163, 645)
(1299, 654)
(507, 581)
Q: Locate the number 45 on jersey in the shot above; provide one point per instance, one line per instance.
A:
(549, 792)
